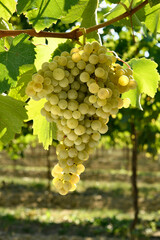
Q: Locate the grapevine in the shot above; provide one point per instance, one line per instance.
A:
(83, 89)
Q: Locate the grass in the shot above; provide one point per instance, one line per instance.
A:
(109, 210)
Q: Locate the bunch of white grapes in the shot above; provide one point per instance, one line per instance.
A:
(82, 89)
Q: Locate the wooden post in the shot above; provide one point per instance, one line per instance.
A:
(48, 169)
(134, 178)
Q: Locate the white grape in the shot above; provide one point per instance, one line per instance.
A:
(72, 94)
(58, 73)
(79, 130)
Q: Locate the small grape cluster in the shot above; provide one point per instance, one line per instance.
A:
(82, 89)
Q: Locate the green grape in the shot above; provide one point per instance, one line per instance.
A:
(64, 82)
(82, 89)
(102, 49)
(81, 64)
(85, 138)
(123, 80)
(80, 147)
(103, 58)
(126, 102)
(37, 87)
(101, 102)
(96, 125)
(30, 91)
(72, 123)
(72, 152)
(74, 179)
(63, 154)
(92, 99)
(88, 48)
(79, 130)
(93, 59)
(68, 142)
(83, 155)
(57, 89)
(54, 99)
(83, 108)
(72, 105)
(96, 136)
(72, 136)
(92, 110)
(76, 114)
(93, 88)
(58, 74)
(70, 64)
(103, 129)
(37, 78)
(67, 114)
(62, 61)
(76, 57)
(47, 106)
(62, 95)
(55, 110)
(103, 93)
(95, 46)
(62, 104)
(75, 71)
(84, 56)
(99, 72)
(84, 77)
(90, 68)
(60, 135)
(72, 94)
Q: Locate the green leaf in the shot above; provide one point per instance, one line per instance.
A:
(24, 5)
(12, 114)
(89, 18)
(119, 9)
(75, 12)
(26, 72)
(86, 10)
(45, 131)
(3, 132)
(153, 2)
(42, 13)
(152, 21)
(5, 25)
(112, 1)
(66, 46)
(21, 52)
(146, 76)
(7, 8)
(44, 51)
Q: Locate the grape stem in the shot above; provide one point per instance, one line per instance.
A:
(118, 58)
(75, 34)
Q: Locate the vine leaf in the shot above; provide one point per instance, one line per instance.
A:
(21, 52)
(43, 50)
(147, 78)
(7, 8)
(66, 46)
(137, 18)
(26, 72)
(42, 13)
(12, 115)
(45, 130)
(89, 18)
(75, 12)
(85, 10)
(153, 2)
(152, 20)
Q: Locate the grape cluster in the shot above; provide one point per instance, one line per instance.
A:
(82, 89)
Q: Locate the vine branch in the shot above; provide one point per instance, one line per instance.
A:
(75, 34)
